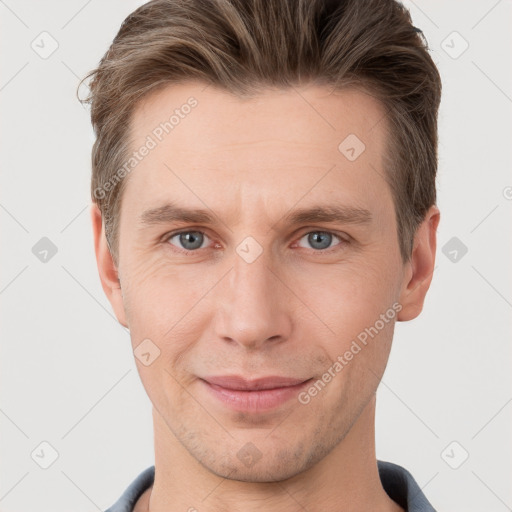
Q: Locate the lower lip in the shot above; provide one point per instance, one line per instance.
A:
(255, 401)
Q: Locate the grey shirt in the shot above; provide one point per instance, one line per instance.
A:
(396, 480)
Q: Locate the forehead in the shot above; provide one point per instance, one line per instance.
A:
(204, 140)
(211, 117)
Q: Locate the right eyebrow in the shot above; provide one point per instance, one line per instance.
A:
(171, 212)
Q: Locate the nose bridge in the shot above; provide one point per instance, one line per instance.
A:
(252, 310)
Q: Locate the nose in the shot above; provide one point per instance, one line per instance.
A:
(253, 306)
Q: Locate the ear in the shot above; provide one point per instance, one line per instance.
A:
(420, 268)
(109, 275)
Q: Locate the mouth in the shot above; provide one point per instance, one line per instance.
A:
(253, 395)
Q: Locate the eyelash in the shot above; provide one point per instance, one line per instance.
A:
(169, 236)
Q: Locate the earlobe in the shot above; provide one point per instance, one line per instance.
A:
(108, 272)
(420, 268)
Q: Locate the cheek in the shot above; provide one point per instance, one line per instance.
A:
(348, 298)
(359, 305)
(169, 305)
(158, 299)
(153, 290)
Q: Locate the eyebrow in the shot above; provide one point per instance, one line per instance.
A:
(329, 213)
(171, 212)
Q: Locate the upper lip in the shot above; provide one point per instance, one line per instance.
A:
(237, 382)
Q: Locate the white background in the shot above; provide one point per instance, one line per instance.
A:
(67, 373)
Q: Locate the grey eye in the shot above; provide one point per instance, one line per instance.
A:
(189, 240)
(320, 239)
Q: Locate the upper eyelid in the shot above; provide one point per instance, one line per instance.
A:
(172, 234)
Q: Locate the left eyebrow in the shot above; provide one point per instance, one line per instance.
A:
(329, 213)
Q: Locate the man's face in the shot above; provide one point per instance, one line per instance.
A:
(250, 293)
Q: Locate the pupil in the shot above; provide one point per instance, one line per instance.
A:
(189, 238)
(317, 238)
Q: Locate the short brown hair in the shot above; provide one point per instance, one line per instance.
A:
(243, 46)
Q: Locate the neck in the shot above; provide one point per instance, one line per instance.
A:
(346, 479)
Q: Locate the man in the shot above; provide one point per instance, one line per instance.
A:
(264, 212)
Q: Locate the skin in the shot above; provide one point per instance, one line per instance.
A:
(291, 312)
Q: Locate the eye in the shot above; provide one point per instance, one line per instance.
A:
(321, 240)
(189, 240)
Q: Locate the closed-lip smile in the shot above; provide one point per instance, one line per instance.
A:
(256, 394)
